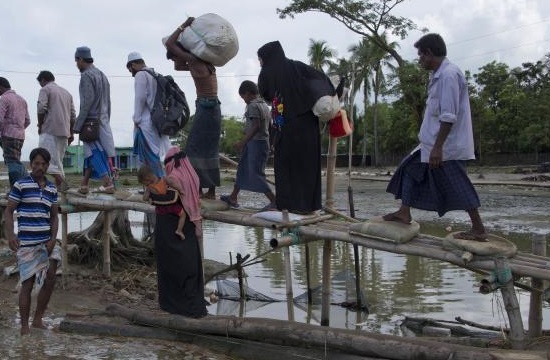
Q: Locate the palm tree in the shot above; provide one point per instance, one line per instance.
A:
(361, 71)
(320, 54)
(372, 59)
(380, 58)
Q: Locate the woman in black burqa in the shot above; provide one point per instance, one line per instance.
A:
(179, 262)
(297, 142)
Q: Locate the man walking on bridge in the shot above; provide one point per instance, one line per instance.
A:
(433, 177)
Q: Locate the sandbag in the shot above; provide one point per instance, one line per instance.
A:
(211, 38)
(391, 231)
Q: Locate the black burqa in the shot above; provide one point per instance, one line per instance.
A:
(179, 266)
(297, 144)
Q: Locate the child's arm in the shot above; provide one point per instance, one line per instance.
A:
(171, 182)
(146, 194)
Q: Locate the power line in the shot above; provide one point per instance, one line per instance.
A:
(498, 32)
(35, 73)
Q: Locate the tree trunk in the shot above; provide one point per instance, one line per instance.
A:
(306, 335)
(124, 248)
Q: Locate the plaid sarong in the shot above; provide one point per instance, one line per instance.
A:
(12, 158)
(12, 148)
(443, 189)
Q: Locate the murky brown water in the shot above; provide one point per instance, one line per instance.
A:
(394, 285)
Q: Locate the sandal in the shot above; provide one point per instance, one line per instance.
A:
(83, 189)
(232, 204)
(107, 189)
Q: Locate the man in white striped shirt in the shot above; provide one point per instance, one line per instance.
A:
(34, 199)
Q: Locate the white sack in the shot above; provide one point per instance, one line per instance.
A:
(210, 38)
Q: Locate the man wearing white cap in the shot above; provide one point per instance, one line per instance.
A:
(149, 146)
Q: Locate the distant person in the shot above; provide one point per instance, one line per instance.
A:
(433, 177)
(160, 186)
(14, 119)
(203, 142)
(34, 199)
(56, 118)
(254, 148)
(95, 103)
(149, 145)
(179, 263)
(292, 88)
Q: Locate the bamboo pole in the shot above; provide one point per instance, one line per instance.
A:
(107, 244)
(306, 221)
(64, 250)
(288, 276)
(340, 214)
(504, 277)
(331, 165)
(325, 303)
(535, 303)
(308, 276)
(327, 246)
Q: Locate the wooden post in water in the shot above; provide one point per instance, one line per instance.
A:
(331, 165)
(64, 250)
(535, 306)
(107, 244)
(288, 276)
(327, 247)
(308, 276)
(505, 279)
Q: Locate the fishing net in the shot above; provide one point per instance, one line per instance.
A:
(342, 292)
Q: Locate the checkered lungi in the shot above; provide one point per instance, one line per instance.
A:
(442, 189)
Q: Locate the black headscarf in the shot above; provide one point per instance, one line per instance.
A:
(297, 84)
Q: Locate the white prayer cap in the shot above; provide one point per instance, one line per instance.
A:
(134, 56)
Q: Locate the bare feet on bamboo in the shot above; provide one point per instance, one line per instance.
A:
(398, 217)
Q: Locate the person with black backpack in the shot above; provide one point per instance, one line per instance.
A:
(149, 144)
(203, 142)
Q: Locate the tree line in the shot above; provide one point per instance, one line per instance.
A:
(510, 106)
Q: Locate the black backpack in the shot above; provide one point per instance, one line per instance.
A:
(170, 111)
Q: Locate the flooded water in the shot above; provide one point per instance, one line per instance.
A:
(393, 285)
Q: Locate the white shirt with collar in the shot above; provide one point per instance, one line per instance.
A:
(145, 86)
(448, 101)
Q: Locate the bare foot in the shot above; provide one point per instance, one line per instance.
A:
(397, 217)
(39, 325)
(470, 235)
(180, 234)
(25, 330)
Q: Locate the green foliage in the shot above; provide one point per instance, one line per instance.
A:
(232, 132)
(370, 18)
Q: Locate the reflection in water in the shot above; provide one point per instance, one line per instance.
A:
(394, 285)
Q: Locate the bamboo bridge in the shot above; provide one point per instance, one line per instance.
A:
(333, 226)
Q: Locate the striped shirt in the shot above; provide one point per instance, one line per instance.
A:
(33, 210)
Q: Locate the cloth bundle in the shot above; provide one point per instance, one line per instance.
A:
(211, 38)
(340, 126)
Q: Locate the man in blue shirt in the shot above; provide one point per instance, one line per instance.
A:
(34, 199)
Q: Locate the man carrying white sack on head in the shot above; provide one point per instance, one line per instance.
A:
(203, 142)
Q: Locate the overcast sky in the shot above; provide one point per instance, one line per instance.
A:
(43, 35)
